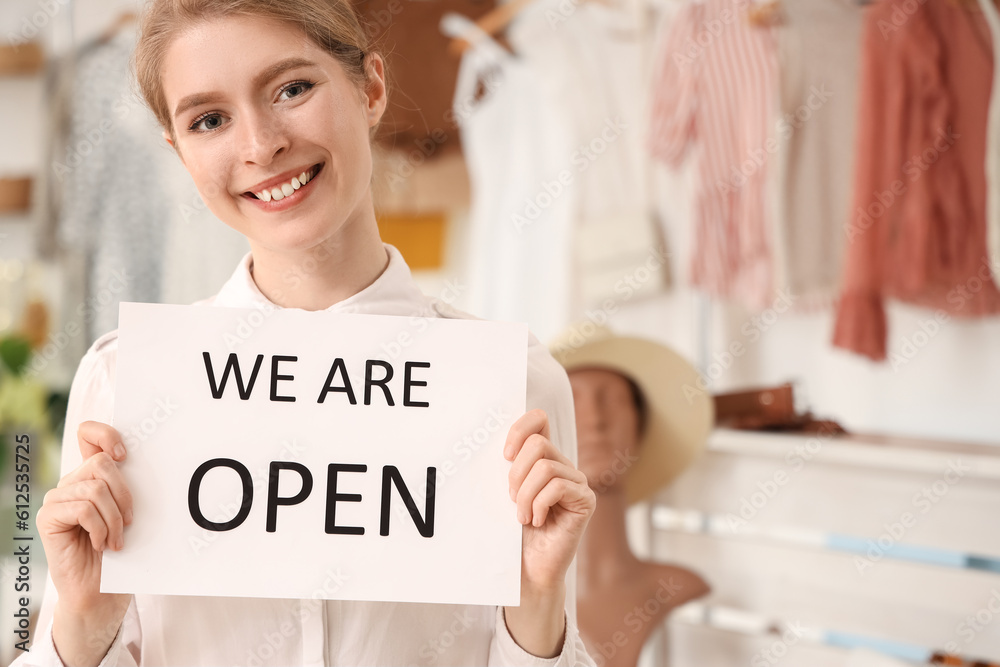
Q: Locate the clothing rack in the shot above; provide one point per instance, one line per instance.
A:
(497, 20)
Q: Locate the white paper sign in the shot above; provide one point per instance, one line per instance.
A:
(262, 483)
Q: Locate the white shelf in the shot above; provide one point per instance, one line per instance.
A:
(879, 452)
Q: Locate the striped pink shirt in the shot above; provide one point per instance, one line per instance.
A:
(717, 85)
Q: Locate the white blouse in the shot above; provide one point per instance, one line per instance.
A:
(185, 630)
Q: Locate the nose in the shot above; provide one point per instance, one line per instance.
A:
(263, 137)
(589, 412)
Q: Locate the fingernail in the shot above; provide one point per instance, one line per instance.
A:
(520, 518)
(120, 543)
(128, 516)
(119, 451)
(512, 496)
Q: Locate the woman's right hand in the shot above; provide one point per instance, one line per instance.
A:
(85, 514)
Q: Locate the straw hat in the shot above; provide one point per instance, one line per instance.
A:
(680, 412)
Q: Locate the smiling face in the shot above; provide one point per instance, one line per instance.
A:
(273, 132)
(608, 426)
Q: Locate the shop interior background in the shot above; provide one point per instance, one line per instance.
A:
(941, 381)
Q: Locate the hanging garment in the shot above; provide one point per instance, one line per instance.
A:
(992, 15)
(113, 208)
(716, 87)
(47, 195)
(591, 59)
(818, 45)
(917, 226)
(58, 82)
(121, 197)
(515, 144)
(422, 72)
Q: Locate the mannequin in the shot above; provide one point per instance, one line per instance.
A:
(621, 600)
(633, 436)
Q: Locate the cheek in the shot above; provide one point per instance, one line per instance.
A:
(594, 457)
(626, 436)
(346, 133)
(211, 186)
(328, 119)
(211, 176)
(352, 143)
(213, 193)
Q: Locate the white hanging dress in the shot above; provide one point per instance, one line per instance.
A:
(518, 254)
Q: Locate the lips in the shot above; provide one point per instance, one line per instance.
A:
(283, 185)
(269, 203)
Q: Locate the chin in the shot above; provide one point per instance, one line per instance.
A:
(289, 235)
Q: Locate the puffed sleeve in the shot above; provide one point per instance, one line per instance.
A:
(91, 397)
(675, 87)
(504, 651)
(548, 389)
(886, 116)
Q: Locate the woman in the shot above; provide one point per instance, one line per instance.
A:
(271, 107)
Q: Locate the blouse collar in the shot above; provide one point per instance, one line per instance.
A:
(393, 293)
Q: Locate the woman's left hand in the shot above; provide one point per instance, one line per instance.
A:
(554, 502)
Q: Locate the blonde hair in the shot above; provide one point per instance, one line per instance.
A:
(332, 25)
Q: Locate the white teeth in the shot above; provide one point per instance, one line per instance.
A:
(285, 189)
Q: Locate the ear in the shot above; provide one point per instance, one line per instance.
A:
(375, 89)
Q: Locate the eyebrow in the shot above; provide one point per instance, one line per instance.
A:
(278, 68)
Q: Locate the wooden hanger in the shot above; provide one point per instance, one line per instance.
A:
(497, 20)
(765, 14)
(491, 23)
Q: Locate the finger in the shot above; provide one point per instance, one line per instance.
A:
(538, 477)
(64, 517)
(535, 421)
(96, 492)
(561, 491)
(101, 466)
(535, 448)
(94, 437)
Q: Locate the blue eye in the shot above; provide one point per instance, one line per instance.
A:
(210, 116)
(301, 86)
(211, 120)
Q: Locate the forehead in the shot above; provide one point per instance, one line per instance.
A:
(598, 378)
(223, 51)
